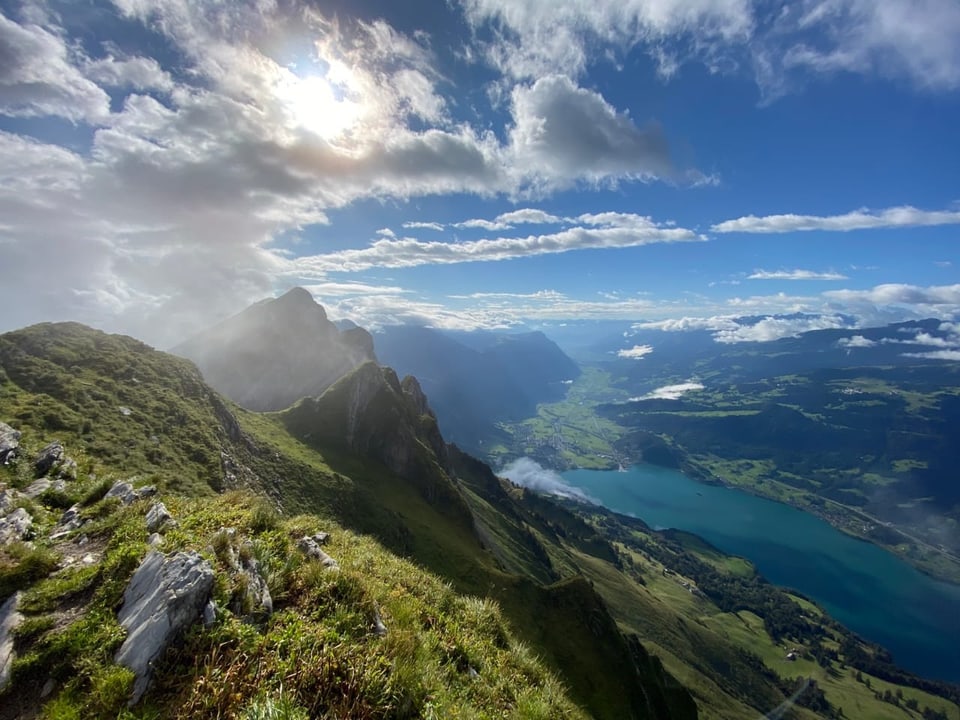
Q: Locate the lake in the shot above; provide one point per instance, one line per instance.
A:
(869, 590)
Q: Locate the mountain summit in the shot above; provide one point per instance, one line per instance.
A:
(277, 351)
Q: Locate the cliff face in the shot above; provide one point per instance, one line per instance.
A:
(371, 413)
(276, 352)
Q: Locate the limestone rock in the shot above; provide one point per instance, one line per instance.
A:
(165, 596)
(68, 469)
(126, 494)
(48, 458)
(8, 497)
(158, 517)
(38, 487)
(311, 549)
(15, 526)
(69, 521)
(9, 620)
(9, 443)
(258, 599)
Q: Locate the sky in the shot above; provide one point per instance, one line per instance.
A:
(480, 163)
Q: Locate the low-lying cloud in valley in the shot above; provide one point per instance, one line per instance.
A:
(530, 474)
(669, 392)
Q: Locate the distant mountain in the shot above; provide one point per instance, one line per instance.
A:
(277, 352)
(475, 380)
(680, 355)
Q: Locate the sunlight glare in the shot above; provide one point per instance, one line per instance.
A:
(312, 103)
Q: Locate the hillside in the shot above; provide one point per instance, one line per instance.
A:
(578, 609)
(276, 352)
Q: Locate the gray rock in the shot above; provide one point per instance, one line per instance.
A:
(155, 540)
(165, 596)
(9, 620)
(126, 494)
(378, 627)
(209, 613)
(311, 549)
(15, 526)
(9, 443)
(8, 498)
(158, 517)
(321, 538)
(69, 521)
(48, 687)
(258, 598)
(49, 457)
(38, 487)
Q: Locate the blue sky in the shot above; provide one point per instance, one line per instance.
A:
(480, 163)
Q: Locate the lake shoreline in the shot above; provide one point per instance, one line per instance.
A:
(801, 551)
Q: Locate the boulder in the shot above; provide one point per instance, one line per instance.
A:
(69, 521)
(9, 443)
(158, 517)
(165, 596)
(125, 493)
(309, 547)
(9, 620)
(48, 458)
(38, 487)
(15, 526)
(8, 498)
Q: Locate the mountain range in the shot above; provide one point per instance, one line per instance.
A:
(443, 588)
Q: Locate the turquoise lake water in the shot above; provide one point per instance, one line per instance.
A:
(867, 589)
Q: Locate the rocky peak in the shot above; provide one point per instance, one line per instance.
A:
(277, 352)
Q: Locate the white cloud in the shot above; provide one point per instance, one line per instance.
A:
(857, 341)
(408, 252)
(636, 352)
(938, 298)
(936, 355)
(896, 217)
(528, 473)
(489, 225)
(416, 225)
(775, 328)
(685, 324)
(140, 73)
(782, 43)
(38, 76)
(531, 216)
(386, 232)
(795, 275)
(669, 392)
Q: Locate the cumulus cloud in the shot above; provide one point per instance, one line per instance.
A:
(140, 73)
(856, 341)
(685, 324)
(530, 216)
(776, 328)
(489, 225)
(669, 392)
(794, 275)
(417, 225)
(39, 77)
(896, 217)
(636, 352)
(782, 44)
(563, 133)
(528, 473)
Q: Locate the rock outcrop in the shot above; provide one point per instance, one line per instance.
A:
(158, 517)
(9, 443)
(15, 526)
(165, 596)
(50, 457)
(126, 494)
(310, 547)
(9, 620)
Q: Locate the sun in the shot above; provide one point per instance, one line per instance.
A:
(315, 104)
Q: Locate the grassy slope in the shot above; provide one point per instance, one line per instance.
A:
(50, 398)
